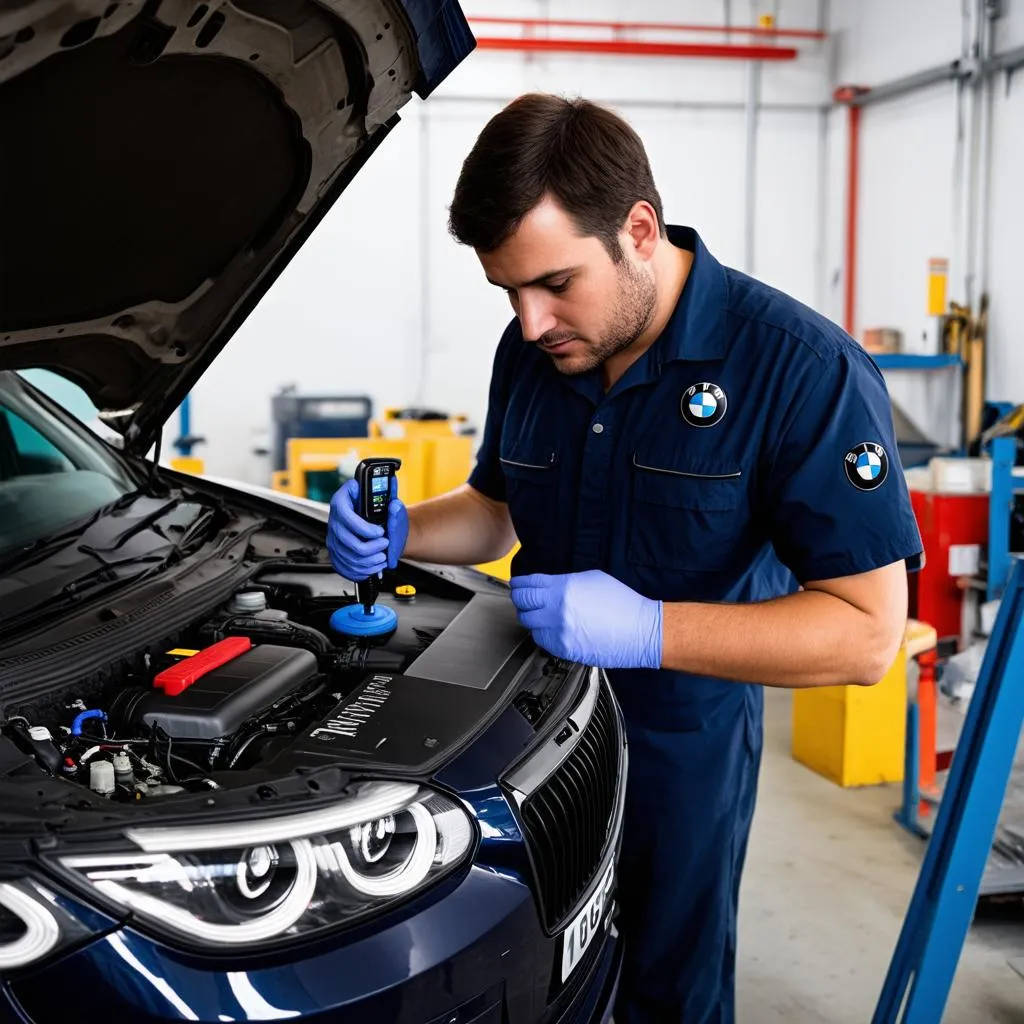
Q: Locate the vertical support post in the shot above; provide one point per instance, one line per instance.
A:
(1000, 505)
(923, 965)
(987, 87)
(908, 812)
(422, 343)
(852, 198)
(750, 176)
(822, 231)
(184, 427)
(927, 703)
(849, 95)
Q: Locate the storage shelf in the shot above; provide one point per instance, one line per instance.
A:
(909, 361)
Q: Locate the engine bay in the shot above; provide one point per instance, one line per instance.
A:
(199, 663)
(261, 685)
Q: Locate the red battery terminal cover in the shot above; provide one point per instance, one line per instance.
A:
(179, 677)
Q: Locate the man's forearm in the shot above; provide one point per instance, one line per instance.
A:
(805, 639)
(462, 527)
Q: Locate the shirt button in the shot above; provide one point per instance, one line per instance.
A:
(598, 428)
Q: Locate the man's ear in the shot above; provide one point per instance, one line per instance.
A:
(641, 232)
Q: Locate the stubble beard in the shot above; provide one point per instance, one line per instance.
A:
(633, 311)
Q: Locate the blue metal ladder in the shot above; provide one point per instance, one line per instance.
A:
(925, 959)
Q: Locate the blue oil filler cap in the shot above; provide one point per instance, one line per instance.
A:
(352, 620)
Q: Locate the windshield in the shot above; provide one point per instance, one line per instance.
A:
(50, 473)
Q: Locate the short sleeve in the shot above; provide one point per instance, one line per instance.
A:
(487, 476)
(836, 493)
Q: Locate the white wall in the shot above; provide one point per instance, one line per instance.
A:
(382, 301)
(1006, 217)
(911, 193)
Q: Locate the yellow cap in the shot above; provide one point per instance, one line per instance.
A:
(406, 591)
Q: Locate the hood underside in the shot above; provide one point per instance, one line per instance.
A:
(163, 161)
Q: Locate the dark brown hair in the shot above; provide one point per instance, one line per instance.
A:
(586, 157)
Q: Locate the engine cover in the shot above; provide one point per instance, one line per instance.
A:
(219, 702)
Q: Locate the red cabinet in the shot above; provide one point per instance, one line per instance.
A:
(945, 521)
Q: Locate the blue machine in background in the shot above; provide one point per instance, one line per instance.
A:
(186, 440)
(316, 416)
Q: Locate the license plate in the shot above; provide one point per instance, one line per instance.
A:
(576, 939)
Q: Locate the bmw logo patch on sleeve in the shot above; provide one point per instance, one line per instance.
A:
(867, 466)
(703, 405)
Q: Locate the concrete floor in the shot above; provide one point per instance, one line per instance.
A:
(829, 875)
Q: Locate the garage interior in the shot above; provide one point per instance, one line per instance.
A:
(754, 149)
(865, 158)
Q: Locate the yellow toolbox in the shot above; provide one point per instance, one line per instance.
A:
(855, 735)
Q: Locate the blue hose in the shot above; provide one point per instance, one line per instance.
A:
(76, 725)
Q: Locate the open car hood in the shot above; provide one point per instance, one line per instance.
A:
(164, 159)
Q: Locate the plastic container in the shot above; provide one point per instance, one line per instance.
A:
(101, 777)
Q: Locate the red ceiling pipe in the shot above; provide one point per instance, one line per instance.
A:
(845, 95)
(654, 26)
(636, 48)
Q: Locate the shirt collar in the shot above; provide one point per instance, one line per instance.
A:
(696, 329)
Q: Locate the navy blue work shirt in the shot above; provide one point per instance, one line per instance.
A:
(751, 448)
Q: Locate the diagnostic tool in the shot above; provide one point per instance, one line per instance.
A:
(374, 477)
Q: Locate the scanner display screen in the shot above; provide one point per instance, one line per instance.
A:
(380, 489)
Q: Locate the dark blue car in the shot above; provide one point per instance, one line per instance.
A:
(214, 807)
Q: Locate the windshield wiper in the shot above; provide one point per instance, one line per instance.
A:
(152, 561)
(136, 526)
(112, 575)
(39, 548)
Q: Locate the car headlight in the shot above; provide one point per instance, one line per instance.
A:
(292, 875)
(33, 924)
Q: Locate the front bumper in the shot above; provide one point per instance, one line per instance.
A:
(475, 950)
(476, 954)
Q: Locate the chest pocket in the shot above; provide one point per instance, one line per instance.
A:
(689, 518)
(532, 489)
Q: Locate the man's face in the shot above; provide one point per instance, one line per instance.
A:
(571, 298)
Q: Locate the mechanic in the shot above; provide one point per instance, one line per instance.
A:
(703, 478)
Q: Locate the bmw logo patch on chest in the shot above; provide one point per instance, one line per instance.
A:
(703, 405)
(867, 466)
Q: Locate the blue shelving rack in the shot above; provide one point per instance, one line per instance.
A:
(1003, 451)
(909, 361)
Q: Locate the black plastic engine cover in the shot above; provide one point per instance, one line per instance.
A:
(412, 722)
(218, 704)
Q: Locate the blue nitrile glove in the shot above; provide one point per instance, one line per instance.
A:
(359, 549)
(590, 617)
(398, 527)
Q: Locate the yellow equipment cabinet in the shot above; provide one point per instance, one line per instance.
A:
(436, 456)
(430, 465)
(502, 568)
(855, 735)
(188, 464)
(397, 423)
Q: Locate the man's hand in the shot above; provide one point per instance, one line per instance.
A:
(359, 549)
(590, 617)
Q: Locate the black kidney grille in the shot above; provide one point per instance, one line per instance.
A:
(567, 820)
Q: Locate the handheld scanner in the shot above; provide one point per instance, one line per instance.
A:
(374, 478)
